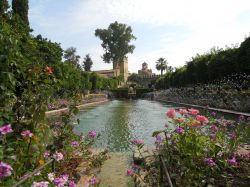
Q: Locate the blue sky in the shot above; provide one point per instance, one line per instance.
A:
(173, 29)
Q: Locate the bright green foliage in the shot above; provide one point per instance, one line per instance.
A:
(71, 56)
(96, 82)
(87, 63)
(210, 67)
(32, 75)
(116, 42)
(21, 8)
(161, 65)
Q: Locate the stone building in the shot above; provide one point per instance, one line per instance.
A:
(120, 70)
(145, 72)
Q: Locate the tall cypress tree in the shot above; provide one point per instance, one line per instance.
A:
(4, 5)
(21, 8)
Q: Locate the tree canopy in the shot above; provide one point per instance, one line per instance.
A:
(4, 5)
(161, 65)
(87, 63)
(71, 56)
(21, 8)
(211, 67)
(116, 42)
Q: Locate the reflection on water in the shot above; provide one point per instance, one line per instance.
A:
(120, 121)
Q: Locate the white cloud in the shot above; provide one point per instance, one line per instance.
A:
(209, 23)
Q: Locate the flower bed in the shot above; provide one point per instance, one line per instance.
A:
(198, 151)
(24, 151)
(64, 103)
(226, 99)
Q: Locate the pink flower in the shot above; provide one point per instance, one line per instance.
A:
(40, 184)
(179, 130)
(94, 180)
(59, 182)
(202, 119)
(72, 184)
(241, 118)
(27, 133)
(183, 111)
(232, 136)
(81, 136)
(134, 166)
(171, 113)
(46, 154)
(93, 134)
(130, 172)
(210, 162)
(194, 112)
(5, 169)
(65, 177)
(75, 144)
(137, 142)
(58, 124)
(58, 156)
(6, 129)
(232, 161)
(213, 114)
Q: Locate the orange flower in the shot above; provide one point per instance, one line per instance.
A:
(48, 70)
(179, 120)
(41, 162)
(196, 124)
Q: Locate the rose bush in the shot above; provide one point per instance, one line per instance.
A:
(199, 151)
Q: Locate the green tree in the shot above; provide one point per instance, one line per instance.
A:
(71, 57)
(87, 63)
(21, 8)
(161, 65)
(4, 5)
(116, 42)
(134, 77)
(244, 56)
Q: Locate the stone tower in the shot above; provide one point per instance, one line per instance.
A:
(124, 69)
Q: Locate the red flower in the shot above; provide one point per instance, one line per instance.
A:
(49, 70)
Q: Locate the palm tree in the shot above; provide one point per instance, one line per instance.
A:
(161, 65)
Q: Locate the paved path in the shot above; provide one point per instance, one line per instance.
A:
(113, 171)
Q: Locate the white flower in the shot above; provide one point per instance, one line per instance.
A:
(51, 176)
(40, 184)
(58, 156)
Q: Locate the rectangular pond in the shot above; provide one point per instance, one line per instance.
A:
(120, 121)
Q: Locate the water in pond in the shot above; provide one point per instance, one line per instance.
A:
(120, 121)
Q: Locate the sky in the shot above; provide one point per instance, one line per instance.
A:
(173, 29)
